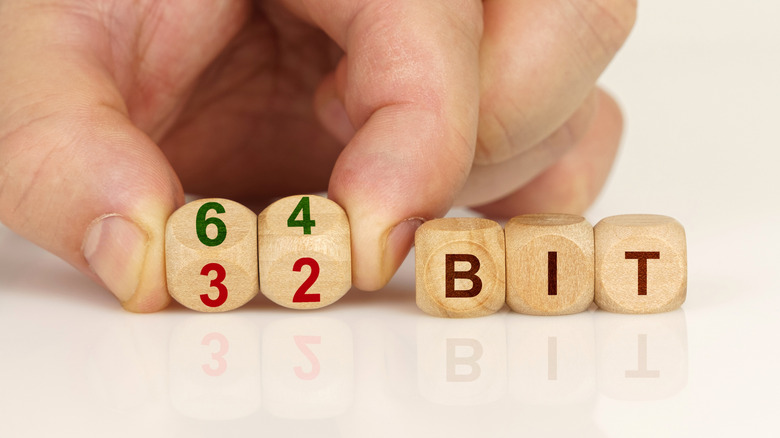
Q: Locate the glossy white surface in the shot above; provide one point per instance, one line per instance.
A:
(699, 82)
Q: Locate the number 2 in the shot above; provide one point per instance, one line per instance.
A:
(300, 295)
(217, 282)
(302, 343)
(306, 222)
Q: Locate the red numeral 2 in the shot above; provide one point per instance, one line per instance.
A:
(302, 343)
(217, 282)
(300, 295)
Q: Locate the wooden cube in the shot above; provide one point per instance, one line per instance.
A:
(641, 264)
(304, 252)
(549, 264)
(459, 264)
(211, 255)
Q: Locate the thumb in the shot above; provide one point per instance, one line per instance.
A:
(77, 177)
(410, 84)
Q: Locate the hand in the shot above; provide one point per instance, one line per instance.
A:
(109, 109)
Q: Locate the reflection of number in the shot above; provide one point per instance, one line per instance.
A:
(201, 223)
(300, 295)
(219, 356)
(301, 342)
(306, 222)
(217, 282)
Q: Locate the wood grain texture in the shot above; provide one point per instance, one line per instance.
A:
(641, 264)
(549, 264)
(194, 269)
(287, 255)
(460, 269)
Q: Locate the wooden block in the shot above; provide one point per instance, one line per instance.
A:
(211, 255)
(459, 265)
(304, 252)
(549, 264)
(641, 264)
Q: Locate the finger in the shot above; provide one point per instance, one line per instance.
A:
(329, 105)
(540, 59)
(490, 182)
(572, 184)
(411, 83)
(76, 176)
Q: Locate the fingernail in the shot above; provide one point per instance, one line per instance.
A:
(115, 249)
(399, 242)
(337, 120)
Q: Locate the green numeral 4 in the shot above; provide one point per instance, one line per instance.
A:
(303, 209)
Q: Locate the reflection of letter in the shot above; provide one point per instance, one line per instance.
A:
(218, 356)
(301, 342)
(471, 274)
(552, 273)
(642, 371)
(470, 361)
(552, 358)
(642, 258)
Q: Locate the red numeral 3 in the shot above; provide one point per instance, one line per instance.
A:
(217, 282)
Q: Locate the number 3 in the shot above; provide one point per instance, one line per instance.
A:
(219, 356)
(217, 282)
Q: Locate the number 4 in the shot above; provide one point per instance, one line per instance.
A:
(306, 222)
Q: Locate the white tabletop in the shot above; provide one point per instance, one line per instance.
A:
(699, 81)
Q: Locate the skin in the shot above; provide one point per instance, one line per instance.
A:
(110, 110)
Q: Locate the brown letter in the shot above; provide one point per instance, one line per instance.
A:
(642, 258)
(452, 274)
(552, 273)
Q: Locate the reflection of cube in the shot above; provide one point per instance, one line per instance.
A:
(304, 252)
(214, 367)
(308, 370)
(459, 265)
(461, 362)
(552, 360)
(641, 264)
(641, 357)
(549, 264)
(211, 255)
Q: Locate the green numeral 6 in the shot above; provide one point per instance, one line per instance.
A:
(201, 223)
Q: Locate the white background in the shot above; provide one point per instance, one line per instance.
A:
(699, 83)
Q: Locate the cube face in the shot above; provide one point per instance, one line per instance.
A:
(211, 255)
(460, 269)
(549, 263)
(641, 264)
(304, 252)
